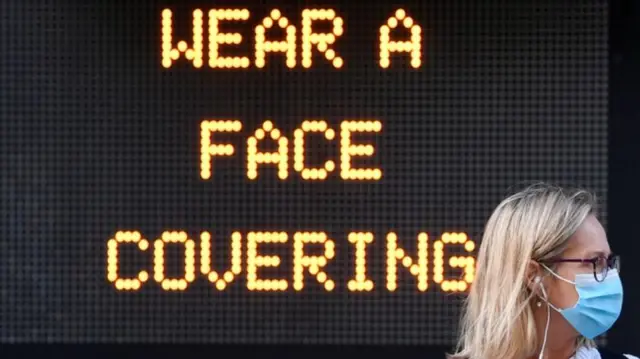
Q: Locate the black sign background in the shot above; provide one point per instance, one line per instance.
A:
(97, 137)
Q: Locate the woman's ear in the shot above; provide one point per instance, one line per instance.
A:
(533, 276)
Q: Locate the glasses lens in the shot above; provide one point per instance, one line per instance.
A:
(601, 269)
(614, 263)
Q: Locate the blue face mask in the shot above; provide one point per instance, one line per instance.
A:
(599, 303)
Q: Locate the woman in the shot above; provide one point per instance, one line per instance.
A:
(546, 283)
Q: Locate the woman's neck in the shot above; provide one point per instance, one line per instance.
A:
(561, 338)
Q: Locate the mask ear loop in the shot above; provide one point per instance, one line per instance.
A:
(538, 280)
(557, 276)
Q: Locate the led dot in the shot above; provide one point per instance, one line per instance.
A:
(112, 276)
(469, 246)
(368, 285)
(135, 284)
(407, 22)
(446, 286)
(400, 14)
(313, 269)
(213, 276)
(120, 284)
(329, 285)
(330, 165)
(330, 54)
(182, 285)
(143, 276)
(322, 277)
(414, 269)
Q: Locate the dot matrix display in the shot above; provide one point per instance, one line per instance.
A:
(280, 172)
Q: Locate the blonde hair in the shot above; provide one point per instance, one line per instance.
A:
(532, 224)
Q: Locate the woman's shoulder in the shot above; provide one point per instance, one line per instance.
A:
(601, 353)
(616, 355)
(606, 353)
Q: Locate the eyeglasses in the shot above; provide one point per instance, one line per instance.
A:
(601, 264)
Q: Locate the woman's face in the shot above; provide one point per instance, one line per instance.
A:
(589, 241)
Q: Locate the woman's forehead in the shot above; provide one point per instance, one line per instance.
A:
(590, 240)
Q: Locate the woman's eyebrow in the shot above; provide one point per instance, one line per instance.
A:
(594, 254)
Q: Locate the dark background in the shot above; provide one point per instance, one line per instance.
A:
(105, 139)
